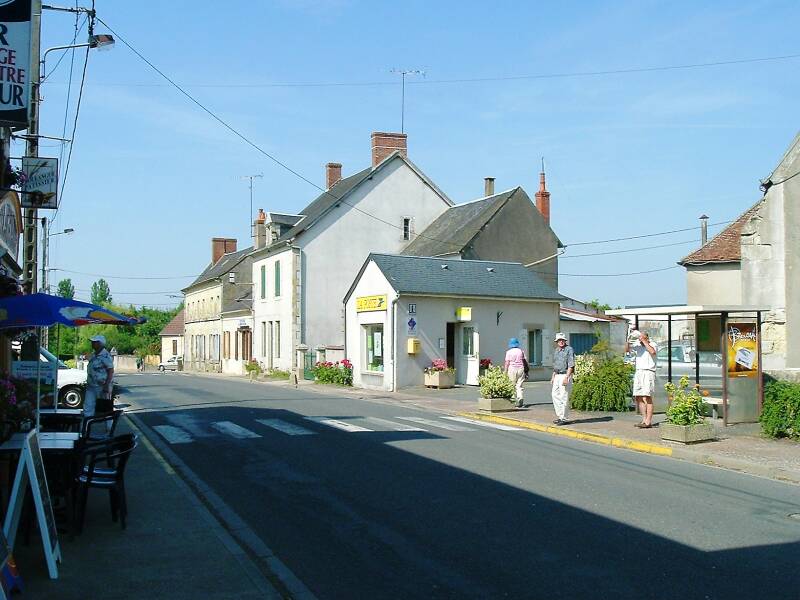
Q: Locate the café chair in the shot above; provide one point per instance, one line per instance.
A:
(100, 427)
(114, 454)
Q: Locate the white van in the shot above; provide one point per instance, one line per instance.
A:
(71, 382)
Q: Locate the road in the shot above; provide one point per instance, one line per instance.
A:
(367, 499)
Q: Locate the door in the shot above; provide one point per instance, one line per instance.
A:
(451, 346)
(471, 355)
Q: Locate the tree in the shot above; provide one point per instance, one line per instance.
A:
(101, 293)
(65, 289)
(595, 304)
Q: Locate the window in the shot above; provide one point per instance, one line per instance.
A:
(174, 347)
(535, 347)
(373, 342)
(468, 341)
(263, 281)
(264, 339)
(406, 228)
(226, 344)
(247, 345)
(276, 337)
(277, 278)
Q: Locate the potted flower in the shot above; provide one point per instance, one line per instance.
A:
(15, 406)
(483, 366)
(497, 391)
(685, 415)
(439, 375)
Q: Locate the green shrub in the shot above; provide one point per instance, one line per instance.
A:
(71, 363)
(340, 373)
(686, 404)
(608, 387)
(278, 374)
(252, 366)
(585, 365)
(780, 416)
(496, 384)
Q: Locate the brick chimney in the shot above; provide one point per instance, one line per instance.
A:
(220, 246)
(384, 144)
(260, 230)
(543, 199)
(333, 173)
(488, 186)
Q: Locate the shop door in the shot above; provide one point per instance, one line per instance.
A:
(471, 355)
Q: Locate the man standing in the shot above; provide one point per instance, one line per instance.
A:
(99, 377)
(561, 380)
(644, 380)
(515, 368)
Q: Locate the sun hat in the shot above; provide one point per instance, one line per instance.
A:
(513, 343)
(98, 338)
(561, 336)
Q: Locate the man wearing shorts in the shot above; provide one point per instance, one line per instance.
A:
(644, 380)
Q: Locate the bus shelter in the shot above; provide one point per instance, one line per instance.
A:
(718, 347)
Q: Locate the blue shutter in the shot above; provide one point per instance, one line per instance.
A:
(582, 342)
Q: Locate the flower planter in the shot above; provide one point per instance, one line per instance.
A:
(440, 379)
(687, 434)
(496, 404)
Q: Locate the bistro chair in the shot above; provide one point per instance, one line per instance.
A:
(114, 453)
(100, 427)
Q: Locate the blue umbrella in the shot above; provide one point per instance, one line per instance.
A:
(43, 310)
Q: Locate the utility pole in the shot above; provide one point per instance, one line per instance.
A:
(250, 217)
(32, 150)
(403, 73)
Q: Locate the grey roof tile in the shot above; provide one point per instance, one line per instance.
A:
(221, 267)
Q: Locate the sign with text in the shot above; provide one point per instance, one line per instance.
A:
(368, 303)
(40, 186)
(742, 350)
(10, 224)
(44, 371)
(15, 61)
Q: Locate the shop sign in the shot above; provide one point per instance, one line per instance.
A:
(464, 313)
(15, 62)
(40, 189)
(10, 220)
(742, 350)
(412, 326)
(369, 303)
(43, 372)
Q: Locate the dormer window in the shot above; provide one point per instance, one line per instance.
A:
(406, 228)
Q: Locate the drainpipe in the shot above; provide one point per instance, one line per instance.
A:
(394, 342)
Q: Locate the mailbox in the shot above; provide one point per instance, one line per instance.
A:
(414, 346)
(464, 313)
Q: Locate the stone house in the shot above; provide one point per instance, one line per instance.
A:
(172, 337)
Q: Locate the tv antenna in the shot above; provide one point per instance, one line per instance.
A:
(251, 177)
(403, 73)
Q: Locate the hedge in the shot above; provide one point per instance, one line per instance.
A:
(780, 416)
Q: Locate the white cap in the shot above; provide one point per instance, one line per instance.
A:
(98, 338)
(561, 336)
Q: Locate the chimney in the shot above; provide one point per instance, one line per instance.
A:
(384, 144)
(333, 173)
(703, 230)
(488, 186)
(220, 246)
(260, 230)
(543, 199)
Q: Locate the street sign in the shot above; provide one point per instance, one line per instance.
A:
(40, 187)
(15, 63)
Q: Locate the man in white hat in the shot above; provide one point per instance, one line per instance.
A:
(99, 376)
(561, 380)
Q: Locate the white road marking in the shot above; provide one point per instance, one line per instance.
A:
(234, 430)
(393, 425)
(446, 426)
(174, 435)
(484, 424)
(190, 424)
(287, 428)
(343, 425)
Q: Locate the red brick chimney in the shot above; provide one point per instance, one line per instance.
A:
(220, 246)
(384, 144)
(333, 173)
(543, 199)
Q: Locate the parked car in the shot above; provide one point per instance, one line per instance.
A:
(170, 364)
(71, 382)
(683, 363)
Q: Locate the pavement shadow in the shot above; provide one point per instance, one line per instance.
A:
(367, 515)
(591, 420)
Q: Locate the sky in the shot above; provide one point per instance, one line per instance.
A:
(153, 178)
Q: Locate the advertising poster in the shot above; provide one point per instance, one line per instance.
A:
(46, 372)
(742, 350)
(15, 59)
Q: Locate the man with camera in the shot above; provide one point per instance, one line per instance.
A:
(644, 380)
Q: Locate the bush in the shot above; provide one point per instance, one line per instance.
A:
(496, 384)
(780, 416)
(340, 373)
(71, 363)
(686, 404)
(585, 365)
(608, 387)
(252, 366)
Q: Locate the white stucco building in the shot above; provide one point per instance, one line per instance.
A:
(303, 264)
(402, 312)
(172, 337)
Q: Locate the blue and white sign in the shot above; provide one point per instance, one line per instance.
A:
(15, 63)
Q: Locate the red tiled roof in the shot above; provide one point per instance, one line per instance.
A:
(723, 247)
(174, 327)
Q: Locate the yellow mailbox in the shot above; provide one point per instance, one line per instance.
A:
(414, 346)
(464, 313)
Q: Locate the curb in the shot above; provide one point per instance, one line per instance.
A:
(572, 433)
(737, 464)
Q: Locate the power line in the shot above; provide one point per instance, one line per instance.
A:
(616, 274)
(646, 235)
(629, 250)
(122, 276)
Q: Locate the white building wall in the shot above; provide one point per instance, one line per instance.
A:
(202, 319)
(335, 248)
(167, 346)
(267, 349)
(234, 364)
(719, 284)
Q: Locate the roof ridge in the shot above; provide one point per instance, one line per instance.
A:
(458, 260)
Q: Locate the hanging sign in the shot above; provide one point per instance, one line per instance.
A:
(10, 224)
(15, 62)
(40, 184)
(742, 350)
(31, 470)
(369, 303)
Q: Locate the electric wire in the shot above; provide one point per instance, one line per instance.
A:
(591, 254)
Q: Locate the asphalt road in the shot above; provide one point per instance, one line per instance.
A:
(366, 499)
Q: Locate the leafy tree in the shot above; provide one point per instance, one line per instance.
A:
(65, 289)
(101, 293)
(597, 305)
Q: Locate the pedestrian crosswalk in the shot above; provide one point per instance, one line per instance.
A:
(185, 428)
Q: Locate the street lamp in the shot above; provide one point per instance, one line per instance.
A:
(46, 235)
(102, 41)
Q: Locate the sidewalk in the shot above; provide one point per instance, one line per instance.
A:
(172, 549)
(737, 447)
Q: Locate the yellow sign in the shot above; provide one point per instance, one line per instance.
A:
(464, 313)
(367, 303)
(742, 350)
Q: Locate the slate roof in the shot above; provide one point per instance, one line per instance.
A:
(454, 228)
(241, 302)
(473, 278)
(174, 327)
(221, 267)
(725, 247)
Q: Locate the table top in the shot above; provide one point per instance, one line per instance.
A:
(67, 412)
(48, 440)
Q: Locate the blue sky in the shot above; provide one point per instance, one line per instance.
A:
(153, 178)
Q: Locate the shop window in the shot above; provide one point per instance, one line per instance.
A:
(468, 345)
(373, 345)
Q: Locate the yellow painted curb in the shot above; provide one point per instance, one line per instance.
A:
(571, 433)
